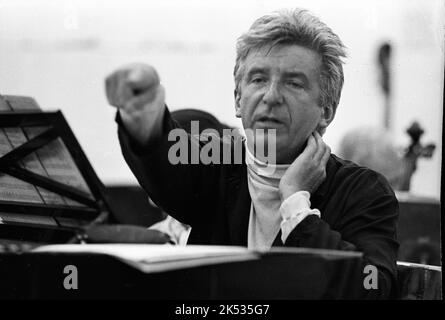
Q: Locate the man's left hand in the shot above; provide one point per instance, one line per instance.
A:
(308, 170)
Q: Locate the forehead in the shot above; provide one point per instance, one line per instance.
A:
(284, 59)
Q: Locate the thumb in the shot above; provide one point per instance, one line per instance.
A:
(310, 149)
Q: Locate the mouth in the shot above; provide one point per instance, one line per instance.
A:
(267, 121)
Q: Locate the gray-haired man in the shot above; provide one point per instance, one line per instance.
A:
(288, 78)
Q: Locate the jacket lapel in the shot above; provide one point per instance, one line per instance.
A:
(238, 206)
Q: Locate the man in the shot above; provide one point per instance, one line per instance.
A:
(288, 78)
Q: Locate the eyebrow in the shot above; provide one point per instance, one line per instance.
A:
(287, 74)
(296, 74)
(255, 70)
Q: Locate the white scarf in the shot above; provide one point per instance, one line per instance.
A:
(265, 218)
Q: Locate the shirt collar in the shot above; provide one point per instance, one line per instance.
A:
(277, 171)
(262, 169)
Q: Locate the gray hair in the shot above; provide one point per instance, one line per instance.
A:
(301, 28)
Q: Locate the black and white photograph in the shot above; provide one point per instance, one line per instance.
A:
(223, 155)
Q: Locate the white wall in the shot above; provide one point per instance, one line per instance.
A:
(60, 51)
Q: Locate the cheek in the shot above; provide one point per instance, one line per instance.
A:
(306, 121)
(243, 113)
(247, 107)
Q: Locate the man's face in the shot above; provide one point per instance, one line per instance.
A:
(280, 90)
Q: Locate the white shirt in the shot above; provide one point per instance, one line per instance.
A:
(267, 213)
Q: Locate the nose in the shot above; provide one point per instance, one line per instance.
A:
(273, 95)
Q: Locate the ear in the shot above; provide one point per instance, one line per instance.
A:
(326, 117)
(237, 103)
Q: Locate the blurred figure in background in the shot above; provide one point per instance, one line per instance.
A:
(374, 148)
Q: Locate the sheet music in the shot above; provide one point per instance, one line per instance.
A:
(52, 160)
(12, 189)
(59, 164)
(32, 163)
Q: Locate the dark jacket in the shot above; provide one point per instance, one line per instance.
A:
(359, 210)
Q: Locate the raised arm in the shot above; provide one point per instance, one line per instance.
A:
(144, 125)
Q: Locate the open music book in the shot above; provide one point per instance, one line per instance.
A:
(151, 258)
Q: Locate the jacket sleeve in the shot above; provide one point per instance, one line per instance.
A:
(179, 189)
(368, 224)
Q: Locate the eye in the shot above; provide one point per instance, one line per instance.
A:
(295, 84)
(258, 80)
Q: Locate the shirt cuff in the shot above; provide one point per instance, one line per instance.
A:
(293, 210)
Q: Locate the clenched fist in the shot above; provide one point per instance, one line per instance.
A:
(136, 91)
(308, 170)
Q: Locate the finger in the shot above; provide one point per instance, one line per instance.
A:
(325, 158)
(316, 136)
(311, 147)
(123, 92)
(321, 147)
(116, 92)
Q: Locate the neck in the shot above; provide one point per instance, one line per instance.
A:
(282, 157)
(263, 168)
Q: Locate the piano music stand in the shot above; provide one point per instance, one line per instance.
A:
(94, 208)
